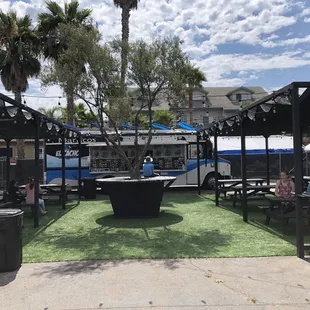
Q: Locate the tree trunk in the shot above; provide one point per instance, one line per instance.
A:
(125, 39)
(134, 173)
(20, 144)
(190, 106)
(70, 108)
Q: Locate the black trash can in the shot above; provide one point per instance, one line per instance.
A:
(90, 188)
(11, 248)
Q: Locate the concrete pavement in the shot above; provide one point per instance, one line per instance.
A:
(230, 283)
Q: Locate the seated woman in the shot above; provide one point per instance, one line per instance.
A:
(14, 195)
(284, 188)
(29, 189)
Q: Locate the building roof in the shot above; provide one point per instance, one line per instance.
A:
(217, 96)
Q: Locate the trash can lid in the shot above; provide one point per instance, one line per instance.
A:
(10, 212)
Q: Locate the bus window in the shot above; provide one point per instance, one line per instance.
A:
(205, 150)
(149, 153)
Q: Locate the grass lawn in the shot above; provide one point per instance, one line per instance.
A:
(188, 226)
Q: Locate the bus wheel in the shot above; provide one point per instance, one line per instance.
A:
(209, 182)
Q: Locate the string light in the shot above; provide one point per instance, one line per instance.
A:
(59, 104)
(63, 97)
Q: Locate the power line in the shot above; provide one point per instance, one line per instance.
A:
(194, 97)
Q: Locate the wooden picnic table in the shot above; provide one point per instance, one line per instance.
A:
(277, 209)
(227, 184)
(234, 182)
(48, 187)
(51, 188)
(256, 191)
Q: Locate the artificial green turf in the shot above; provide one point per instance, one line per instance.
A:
(188, 226)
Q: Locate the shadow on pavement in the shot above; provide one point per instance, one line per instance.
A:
(7, 277)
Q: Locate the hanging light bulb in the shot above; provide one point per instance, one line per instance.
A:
(59, 103)
(24, 100)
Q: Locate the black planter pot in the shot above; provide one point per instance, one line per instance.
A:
(135, 198)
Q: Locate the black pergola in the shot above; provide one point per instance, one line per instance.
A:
(18, 121)
(283, 111)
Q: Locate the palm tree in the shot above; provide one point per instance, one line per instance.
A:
(48, 24)
(81, 117)
(126, 6)
(194, 80)
(52, 112)
(18, 57)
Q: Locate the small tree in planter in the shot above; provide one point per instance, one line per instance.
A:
(158, 70)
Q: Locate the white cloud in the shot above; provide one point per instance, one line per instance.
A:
(288, 42)
(204, 26)
(246, 66)
(307, 20)
(305, 12)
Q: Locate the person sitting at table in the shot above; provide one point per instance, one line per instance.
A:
(284, 188)
(29, 189)
(13, 194)
(148, 167)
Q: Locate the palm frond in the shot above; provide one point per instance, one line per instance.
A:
(70, 10)
(133, 4)
(55, 8)
(19, 46)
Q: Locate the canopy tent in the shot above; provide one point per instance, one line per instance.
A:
(18, 121)
(284, 111)
(185, 126)
(255, 145)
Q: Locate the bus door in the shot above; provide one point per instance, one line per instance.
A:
(205, 152)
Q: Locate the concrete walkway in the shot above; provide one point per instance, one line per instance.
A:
(241, 283)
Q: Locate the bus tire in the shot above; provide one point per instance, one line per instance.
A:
(209, 182)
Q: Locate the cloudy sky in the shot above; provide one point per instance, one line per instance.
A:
(235, 42)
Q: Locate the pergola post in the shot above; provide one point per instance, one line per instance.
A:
(243, 172)
(36, 172)
(8, 164)
(80, 166)
(298, 163)
(198, 163)
(63, 170)
(267, 160)
(216, 169)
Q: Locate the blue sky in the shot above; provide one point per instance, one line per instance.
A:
(235, 42)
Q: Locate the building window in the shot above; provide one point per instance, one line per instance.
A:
(205, 120)
(239, 97)
(246, 96)
(182, 118)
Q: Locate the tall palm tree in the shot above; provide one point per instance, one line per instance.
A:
(18, 57)
(52, 112)
(195, 77)
(126, 6)
(52, 45)
(82, 117)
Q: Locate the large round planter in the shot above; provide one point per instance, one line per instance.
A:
(135, 198)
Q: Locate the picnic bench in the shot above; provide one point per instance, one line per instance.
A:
(50, 190)
(254, 192)
(226, 185)
(277, 210)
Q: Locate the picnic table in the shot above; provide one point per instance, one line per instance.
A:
(51, 188)
(277, 209)
(227, 184)
(254, 191)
